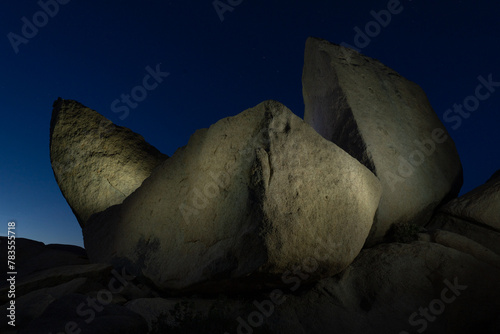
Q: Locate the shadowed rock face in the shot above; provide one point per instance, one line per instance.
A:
(391, 288)
(32, 256)
(427, 286)
(387, 123)
(111, 318)
(254, 194)
(96, 163)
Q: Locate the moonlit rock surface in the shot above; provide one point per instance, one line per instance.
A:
(245, 201)
(96, 163)
(386, 122)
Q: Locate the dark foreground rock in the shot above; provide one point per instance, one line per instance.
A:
(423, 286)
(73, 314)
(41, 298)
(393, 288)
(33, 256)
(386, 122)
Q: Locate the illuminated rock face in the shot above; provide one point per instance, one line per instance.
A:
(245, 201)
(387, 123)
(96, 163)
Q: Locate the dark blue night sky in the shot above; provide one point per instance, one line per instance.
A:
(97, 52)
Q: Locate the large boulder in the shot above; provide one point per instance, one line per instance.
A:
(243, 202)
(96, 163)
(386, 122)
(475, 215)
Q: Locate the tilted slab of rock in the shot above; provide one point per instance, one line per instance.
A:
(481, 234)
(96, 163)
(253, 195)
(475, 214)
(387, 123)
(480, 205)
(466, 245)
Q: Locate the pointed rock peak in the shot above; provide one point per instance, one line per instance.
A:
(96, 163)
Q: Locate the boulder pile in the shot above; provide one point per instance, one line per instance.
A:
(245, 200)
(345, 222)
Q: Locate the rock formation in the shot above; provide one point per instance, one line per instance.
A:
(96, 163)
(254, 195)
(257, 224)
(386, 122)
